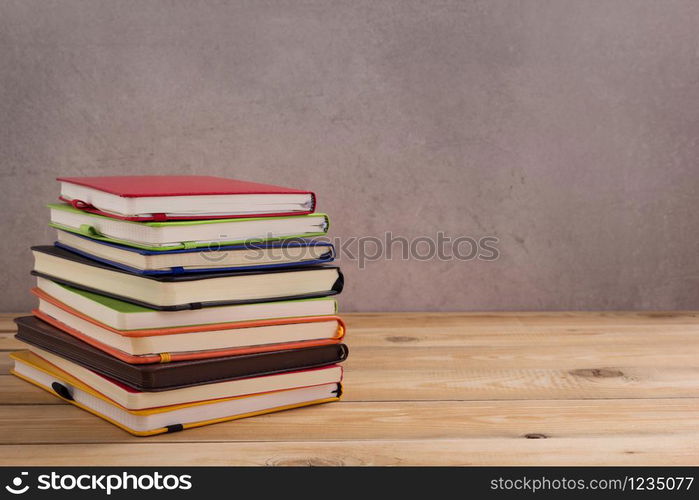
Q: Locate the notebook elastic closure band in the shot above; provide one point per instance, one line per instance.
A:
(79, 204)
(165, 357)
(88, 230)
(62, 391)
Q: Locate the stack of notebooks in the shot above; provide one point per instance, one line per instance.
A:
(170, 302)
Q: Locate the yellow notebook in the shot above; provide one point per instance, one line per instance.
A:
(164, 419)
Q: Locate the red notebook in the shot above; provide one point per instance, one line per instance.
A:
(182, 197)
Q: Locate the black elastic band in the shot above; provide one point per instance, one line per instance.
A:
(62, 391)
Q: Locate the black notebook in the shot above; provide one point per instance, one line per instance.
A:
(187, 290)
(176, 374)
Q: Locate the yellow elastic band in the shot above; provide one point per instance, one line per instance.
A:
(165, 357)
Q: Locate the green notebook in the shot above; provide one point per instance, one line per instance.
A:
(123, 315)
(177, 235)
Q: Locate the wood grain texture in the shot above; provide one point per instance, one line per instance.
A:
(353, 421)
(430, 389)
(636, 450)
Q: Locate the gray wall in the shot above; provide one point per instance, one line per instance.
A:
(568, 129)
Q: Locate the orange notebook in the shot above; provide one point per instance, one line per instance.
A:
(193, 341)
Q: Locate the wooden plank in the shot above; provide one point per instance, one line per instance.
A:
(349, 421)
(7, 325)
(454, 376)
(488, 358)
(494, 335)
(454, 383)
(520, 323)
(15, 391)
(559, 329)
(469, 385)
(8, 342)
(606, 450)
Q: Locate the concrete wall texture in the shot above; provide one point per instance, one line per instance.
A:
(568, 129)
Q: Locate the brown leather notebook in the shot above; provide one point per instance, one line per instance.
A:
(176, 374)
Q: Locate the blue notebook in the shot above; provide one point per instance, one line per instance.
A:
(252, 256)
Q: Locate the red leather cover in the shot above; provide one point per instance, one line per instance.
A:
(139, 186)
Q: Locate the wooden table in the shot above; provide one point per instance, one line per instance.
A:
(434, 389)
